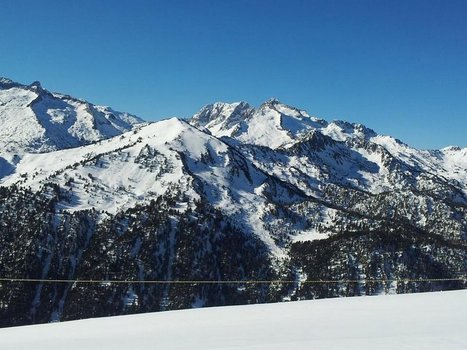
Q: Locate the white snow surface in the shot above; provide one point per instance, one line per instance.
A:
(412, 321)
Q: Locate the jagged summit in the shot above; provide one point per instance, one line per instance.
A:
(36, 84)
(271, 101)
(452, 149)
(220, 112)
(223, 119)
(4, 80)
(6, 83)
(273, 124)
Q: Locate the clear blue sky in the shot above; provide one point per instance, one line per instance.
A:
(399, 67)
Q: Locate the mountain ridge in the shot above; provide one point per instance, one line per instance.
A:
(234, 193)
(32, 119)
(283, 131)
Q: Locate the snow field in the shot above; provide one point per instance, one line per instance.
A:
(412, 321)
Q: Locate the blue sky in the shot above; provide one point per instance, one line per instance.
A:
(399, 67)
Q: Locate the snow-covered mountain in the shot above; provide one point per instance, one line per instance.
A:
(285, 129)
(234, 193)
(35, 120)
(138, 166)
(273, 124)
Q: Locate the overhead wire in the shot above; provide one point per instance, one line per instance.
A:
(125, 281)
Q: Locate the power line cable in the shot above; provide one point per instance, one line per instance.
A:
(344, 281)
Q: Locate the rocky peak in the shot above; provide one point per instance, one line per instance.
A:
(36, 84)
(220, 112)
(6, 83)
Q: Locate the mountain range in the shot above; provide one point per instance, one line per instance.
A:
(234, 193)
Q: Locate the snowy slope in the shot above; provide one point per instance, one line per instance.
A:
(418, 321)
(33, 119)
(105, 175)
(171, 155)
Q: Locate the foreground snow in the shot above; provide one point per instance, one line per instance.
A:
(414, 321)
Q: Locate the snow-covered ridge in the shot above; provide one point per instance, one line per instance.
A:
(273, 124)
(120, 171)
(34, 120)
(278, 126)
(417, 321)
(116, 174)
